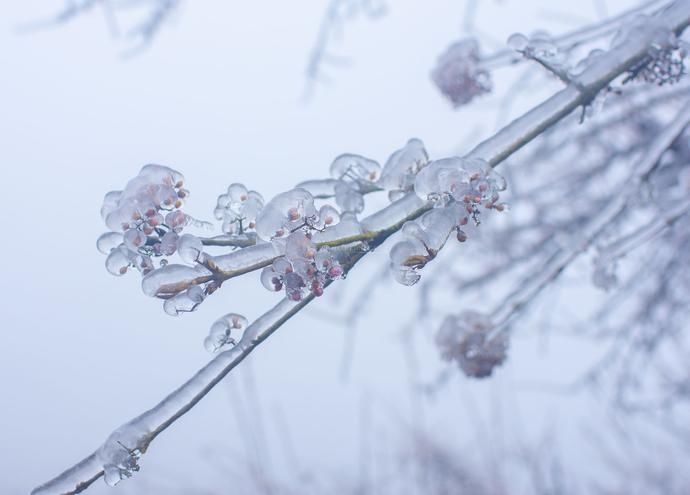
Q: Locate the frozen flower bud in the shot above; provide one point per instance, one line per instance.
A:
(108, 241)
(400, 170)
(238, 208)
(226, 331)
(110, 203)
(328, 217)
(299, 246)
(118, 261)
(286, 212)
(176, 220)
(134, 239)
(355, 168)
(466, 340)
(185, 302)
(190, 249)
(168, 243)
(458, 74)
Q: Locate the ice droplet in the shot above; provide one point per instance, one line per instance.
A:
(108, 241)
(517, 42)
(227, 330)
(284, 213)
(402, 166)
(118, 261)
(190, 249)
(350, 167)
(185, 302)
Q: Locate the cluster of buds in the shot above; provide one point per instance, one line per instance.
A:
(459, 75)
(469, 181)
(466, 340)
(238, 209)
(458, 188)
(304, 268)
(145, 219)
(291, 211)
(354, 175)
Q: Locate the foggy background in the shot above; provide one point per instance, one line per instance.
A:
(219, 96)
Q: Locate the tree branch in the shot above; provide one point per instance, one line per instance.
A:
(138, 434)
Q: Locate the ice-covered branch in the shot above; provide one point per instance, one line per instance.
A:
(527, 292)
(117, 457)
(570, 40)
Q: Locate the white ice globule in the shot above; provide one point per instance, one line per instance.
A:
(190, 249)
(226, 331)
(349, 167)
(539, 45)
(466, 340)
(469, 181)
(285, 213)
(186, 301)
(422, 240)
(459, 75)
(238, 209)
(355, 176)
(119, 455)
(145, 218)
(304, 268)
(401, 168)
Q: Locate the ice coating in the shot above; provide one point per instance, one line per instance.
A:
(400, 170)
(469, 181)
(185, 301)
(190, 249)
(349, 167)
(108, 241)
(246, 259)
(284, 213)
(238, 209)
(171, 279)
(225, 331)
(319, 188)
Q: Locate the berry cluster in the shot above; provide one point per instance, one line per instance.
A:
(459, 75)
(238, 209)
(458, 188)
(466, 340)
(291, 211)
(304, 268)
(144, 219)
